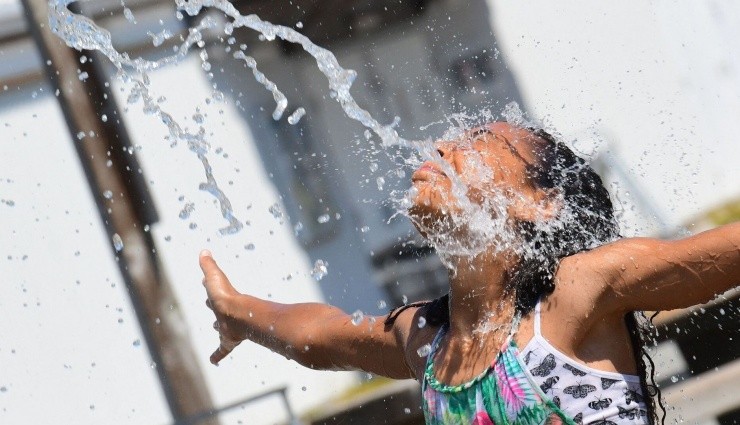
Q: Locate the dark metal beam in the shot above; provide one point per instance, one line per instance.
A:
(108, 165)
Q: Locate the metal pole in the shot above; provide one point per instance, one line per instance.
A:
(103, 149)
(292, 419)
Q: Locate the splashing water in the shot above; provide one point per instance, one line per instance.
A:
(80, 32)
(296, 116)
(424, 350)
(320, 269)
(280, 99)
(485, 223)
(117, 242)
(357, 317)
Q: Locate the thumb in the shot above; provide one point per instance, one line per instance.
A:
(213, 278)
(207, 263)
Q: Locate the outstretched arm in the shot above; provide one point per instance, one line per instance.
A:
(649, 274)
(315, 335)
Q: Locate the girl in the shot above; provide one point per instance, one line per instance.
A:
(538, 325)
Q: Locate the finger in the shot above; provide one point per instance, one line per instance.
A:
(216, 325)
(207, 263)
(219, 355)
(223, 350)
(214, 280)
(209, 305)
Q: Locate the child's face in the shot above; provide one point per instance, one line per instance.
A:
(491, 158)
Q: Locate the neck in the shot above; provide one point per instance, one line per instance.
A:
(480, 299)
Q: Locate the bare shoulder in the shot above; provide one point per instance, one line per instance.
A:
(584, 281)
(413, 338)
(587, 275)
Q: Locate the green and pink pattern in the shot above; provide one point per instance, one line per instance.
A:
(502, 394)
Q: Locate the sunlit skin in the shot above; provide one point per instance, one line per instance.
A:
(583, 317)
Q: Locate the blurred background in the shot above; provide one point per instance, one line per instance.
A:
(102, 217)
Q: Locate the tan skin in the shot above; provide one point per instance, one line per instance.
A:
(583, 317)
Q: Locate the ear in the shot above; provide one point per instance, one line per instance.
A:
(547, 205)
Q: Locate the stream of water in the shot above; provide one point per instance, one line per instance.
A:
(485, 224)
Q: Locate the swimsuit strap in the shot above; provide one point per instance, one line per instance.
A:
(537, 326)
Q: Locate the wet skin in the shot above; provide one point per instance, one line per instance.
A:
(583, 317)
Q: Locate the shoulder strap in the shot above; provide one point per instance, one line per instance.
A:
(436, 340)
(537, 328)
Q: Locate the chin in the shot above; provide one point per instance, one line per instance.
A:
(429, 219)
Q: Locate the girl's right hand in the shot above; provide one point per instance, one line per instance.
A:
(222, 300)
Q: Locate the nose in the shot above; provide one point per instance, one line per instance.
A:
(444, 149)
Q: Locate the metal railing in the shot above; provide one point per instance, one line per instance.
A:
(281, 392)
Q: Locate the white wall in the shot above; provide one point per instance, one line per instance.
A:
(659, 81)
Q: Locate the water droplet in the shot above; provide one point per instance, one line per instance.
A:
(373, 167)
(3, 389)
(249, 247)
(298, 228)
(381, 304)
(365, 229)
(405, 299)
(357, 317)
(424, 350)
(83, 76)
(129, 15)
(303, 388)
(108, 194)
(323, 218)
(80, 135)
(381, 182)
(186, 210)
(104, 118)
(299, 25)
(296, 116)
(422, 322)
(137, 342)
(674, 379)
(117, 242)
(276, 211)
(406, 410)
(320, 269)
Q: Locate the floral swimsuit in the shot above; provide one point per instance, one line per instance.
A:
(502, 394)
(507, 392)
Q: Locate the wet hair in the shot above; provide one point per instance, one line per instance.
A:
(589, 221)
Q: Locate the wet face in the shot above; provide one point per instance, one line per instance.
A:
(492, 160)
